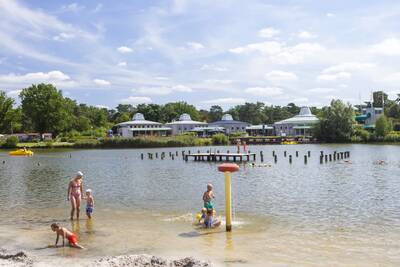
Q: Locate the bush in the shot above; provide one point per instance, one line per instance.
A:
(11, 142)
(237, 134)
(393, 136)
(220, 139)
(88, 143)
(360, 135)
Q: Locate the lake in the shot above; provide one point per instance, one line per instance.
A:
(333, 214)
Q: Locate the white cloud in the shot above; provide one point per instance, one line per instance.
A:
(102, 106)
(334, 76)
(101, 82)
(218, 82)
(63, 37)
(73, 7)
(306, 35)
(14, 93)
(124, 49)
(195, 45)
(388, 47)
(300, 100)
(98, 8)
(134, 100)
(277, 75)
(320, 90)
(268, 32)
(280, 53)
(348, 67)
(213, 68)
(54, 77)
(222, 101)
(162, 90)
(391, 78)
(330, 15)
(122, 64)
(264, 91)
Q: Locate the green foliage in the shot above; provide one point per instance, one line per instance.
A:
(360, 135)
(148, 142)
(220, 139)
(393, 136)
(11, 142)
(215, 113)
(237, 134)
(336, 123)
(382, 126)
(9, 118)
(44, 107)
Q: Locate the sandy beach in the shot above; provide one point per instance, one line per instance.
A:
(22, 259)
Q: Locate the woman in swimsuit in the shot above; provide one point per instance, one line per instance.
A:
(75, 194)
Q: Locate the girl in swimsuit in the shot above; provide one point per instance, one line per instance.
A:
(75, 189)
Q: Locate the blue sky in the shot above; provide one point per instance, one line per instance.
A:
(204, 52)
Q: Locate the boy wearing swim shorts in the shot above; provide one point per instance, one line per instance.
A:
(65, 233)
(89, 203)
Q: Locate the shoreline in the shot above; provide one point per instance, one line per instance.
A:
(23, 259)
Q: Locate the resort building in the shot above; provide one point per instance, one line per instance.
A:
(260, 130)
(230, 125)
(299, 125)
(369, 116)
(184, 124)
(207, 131)
(139, 126)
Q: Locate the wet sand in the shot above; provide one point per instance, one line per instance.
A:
(255, 241)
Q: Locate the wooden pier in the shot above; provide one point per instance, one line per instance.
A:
(235, 157)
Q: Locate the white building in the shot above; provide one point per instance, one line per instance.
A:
(184, 124)
(299, 125)
(230, 125)
(139, 126)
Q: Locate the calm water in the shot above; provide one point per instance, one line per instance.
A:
(335, 214)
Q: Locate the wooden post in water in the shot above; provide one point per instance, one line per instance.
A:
(284, 153)
(156, 155)
(309, 153)
(322, 153)
(173, 157)
(141, 156)
(326, 158)
(330, 157)
(261, 156)
(290, 159)
(305, 159)
(297, 154)
(321, 159)
(275, 159)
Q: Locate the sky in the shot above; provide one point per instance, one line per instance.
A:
(204, 52)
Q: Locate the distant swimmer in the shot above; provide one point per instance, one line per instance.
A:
(259, 165)
(380, 162)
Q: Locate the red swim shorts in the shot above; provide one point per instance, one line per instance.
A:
(73, 240)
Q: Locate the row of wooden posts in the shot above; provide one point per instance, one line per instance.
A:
(323, 157)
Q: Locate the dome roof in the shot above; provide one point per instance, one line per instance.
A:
(185, 117)
(305, 111)
(227, 117)
(138, 117)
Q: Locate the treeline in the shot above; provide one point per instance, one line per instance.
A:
(43, 109)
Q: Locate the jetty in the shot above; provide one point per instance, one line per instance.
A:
(233, 157)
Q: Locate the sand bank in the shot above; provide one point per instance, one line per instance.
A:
(21, 259)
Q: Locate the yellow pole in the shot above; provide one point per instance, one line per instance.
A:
(228, 202)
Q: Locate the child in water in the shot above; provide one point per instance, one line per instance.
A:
(89, 203)
(203, 215)
(65, 233)
(209, 221)
(208, 196)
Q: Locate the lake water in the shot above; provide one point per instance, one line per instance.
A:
(334, 214)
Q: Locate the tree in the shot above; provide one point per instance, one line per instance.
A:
(335, 122)
(382, 126)
(172, 111)
(8, 115)
(44, 107)
(378, 97)
(249, 112)
(215, 113)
